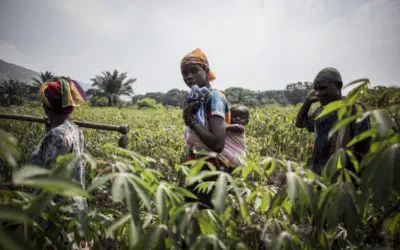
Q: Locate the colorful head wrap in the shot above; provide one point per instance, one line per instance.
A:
(198, 57)
(62, 95)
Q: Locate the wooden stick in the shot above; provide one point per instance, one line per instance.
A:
(123, 129)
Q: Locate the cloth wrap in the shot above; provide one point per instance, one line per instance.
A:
(62, 95)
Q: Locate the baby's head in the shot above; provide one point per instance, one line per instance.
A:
(239, 115)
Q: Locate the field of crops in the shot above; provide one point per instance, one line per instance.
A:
(136, 196)
(158, 133)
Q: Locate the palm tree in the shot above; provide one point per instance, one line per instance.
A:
(13, 92)
(111, 85)
(34, 88)
(43, 77)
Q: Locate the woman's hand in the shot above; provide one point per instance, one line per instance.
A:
(188, 117)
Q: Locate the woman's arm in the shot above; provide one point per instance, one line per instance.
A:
(215, 138)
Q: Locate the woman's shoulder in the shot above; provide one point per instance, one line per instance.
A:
(65, 130)
(217, 94)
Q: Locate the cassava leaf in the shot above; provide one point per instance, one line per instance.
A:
(12, 213)
(362, 136)
(161, 203)
(55, 185)
(341, 124)
(220, 194)
(384, 123)
(29, 172)
(331, 107)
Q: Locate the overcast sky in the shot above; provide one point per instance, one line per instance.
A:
(256, 44)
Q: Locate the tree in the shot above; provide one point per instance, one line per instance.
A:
(241, 96)
(43, 77)
(147, 103)
(137, 98)
(98, 101)
(377, 96)
(175, 98)
(13, 92)
(271, 96)
(157, 96)
(297, 92)
(111, 85)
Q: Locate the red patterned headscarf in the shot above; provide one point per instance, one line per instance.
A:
(198, 57)
(62, 95)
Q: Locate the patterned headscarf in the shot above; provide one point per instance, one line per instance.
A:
(62, 95)
(198, 57)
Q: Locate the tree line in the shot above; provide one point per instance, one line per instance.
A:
(108, 87)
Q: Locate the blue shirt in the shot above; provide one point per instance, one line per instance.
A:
(216, 104)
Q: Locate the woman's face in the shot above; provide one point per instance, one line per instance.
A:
(194, 74)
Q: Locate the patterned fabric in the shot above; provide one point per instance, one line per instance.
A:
(234, 150)
(324, 147)
(63, 139)
(198, 57)
(62, 93)
(215, 104)
(235, 147)
(200, 95)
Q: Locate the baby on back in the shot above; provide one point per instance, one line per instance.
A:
(235, 141)
(234, 150)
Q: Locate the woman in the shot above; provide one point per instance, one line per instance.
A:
(59, 97)
(195, 71)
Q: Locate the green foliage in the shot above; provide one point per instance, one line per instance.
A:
(13, 92)
(43, 77)
(297, 92)
(159, 132)
(111, 85)
(98, 101)
(241, 96)
(147, 103)
(234, 95)
(254, 99)
(136, 197)
(157, 96)
(175, 98)
(381, 96)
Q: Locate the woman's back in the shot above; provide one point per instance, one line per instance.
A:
(63, 139)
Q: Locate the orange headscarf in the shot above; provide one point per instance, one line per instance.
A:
(198, 57)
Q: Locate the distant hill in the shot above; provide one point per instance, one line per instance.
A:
(16, 72)
(12, 71)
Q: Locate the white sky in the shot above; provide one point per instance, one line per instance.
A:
(256, 44)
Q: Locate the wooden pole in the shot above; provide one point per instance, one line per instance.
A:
(123, 129)
(23, 118)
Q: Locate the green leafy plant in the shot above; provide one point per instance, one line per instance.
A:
(136, 197)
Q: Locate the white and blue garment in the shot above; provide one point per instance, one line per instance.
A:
(200, 95)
